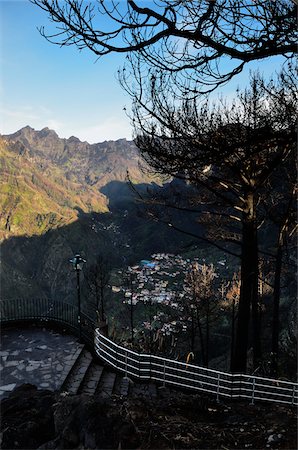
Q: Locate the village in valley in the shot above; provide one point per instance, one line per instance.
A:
(164, 283)
(157, 280)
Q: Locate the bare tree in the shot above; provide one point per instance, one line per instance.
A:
(202, 301)
(188, 41)
(97, 279)
(231, 300)
(281, 208)
(129, 282)
(229, 150)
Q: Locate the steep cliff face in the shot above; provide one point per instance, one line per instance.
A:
(175, 420)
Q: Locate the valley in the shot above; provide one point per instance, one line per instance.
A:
(60, 197)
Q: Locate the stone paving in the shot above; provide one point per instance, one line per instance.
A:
(38, 356)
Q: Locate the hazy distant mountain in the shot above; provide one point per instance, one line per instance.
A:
(46, 180)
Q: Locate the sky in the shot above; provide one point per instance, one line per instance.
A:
(43, 85)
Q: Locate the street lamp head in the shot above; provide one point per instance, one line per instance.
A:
(77, 262)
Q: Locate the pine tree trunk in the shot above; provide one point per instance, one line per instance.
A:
(192, 343)
(102, 304)
(249, 289)
(201, 338)
(232, 334)
(207, 333)
(275, 319)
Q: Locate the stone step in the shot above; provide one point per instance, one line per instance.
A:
(124, 386)
(78, 372)
(106, 385)
(117, 385)
(69, 363)
(91, 379)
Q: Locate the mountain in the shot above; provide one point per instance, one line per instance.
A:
(46, 181)
(63, 196)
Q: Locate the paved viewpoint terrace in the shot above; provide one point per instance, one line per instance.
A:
(38, 356)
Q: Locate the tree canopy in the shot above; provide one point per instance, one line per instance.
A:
(230, 150)
(199, 43)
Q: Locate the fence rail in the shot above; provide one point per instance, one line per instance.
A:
(46, 310)
(150, 367)
(199, 379)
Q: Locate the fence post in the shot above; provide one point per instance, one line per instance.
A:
(217, 390)
(253, 392)
(293, 395)
(164, 374)
(125, 363)
(117, 357)
(240, 386)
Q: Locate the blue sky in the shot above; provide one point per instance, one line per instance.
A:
(43, 85)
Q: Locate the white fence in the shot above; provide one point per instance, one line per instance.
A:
(179, 374)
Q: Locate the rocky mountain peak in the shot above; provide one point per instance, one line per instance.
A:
(73, 139)
(27, 128)
(47, 132)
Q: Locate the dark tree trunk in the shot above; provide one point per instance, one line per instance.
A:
(207, 332)
(255, 309)
(232, 333)
(97, 300)
(102, 303)
(201, 338)
(131, 320)
(275, 318)
(249, 289)
(192, 337)
(150, 322)
(131, 309)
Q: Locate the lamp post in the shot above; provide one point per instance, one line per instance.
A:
(77, 262)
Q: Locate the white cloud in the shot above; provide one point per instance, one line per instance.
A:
(21, 114)
(91, 129)
(54, 124)
(111, 128)
(14, 119)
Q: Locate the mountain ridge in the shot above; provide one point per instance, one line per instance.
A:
(59, 197)
(47, 179)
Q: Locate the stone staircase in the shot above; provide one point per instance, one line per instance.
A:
(92, 377)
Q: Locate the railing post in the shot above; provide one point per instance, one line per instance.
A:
(253, 392)
(217, 390)
(125, 363)
(240, 386)
(293, 395)
(164, 374)
(117, 357)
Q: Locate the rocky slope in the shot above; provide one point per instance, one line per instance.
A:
(46, 181)
(63, 196)
(47, 420)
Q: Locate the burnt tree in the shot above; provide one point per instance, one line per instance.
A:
(97, 279)
(189, 42)
(229, 150)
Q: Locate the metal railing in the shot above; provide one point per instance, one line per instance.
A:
(150, 367)
(46, 310)
(183, 375)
